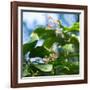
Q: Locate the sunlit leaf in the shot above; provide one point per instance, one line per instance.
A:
(74, 27)
(33, 37)
(44, 67)
(68, 47)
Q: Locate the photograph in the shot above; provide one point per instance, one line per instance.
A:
(50, 43)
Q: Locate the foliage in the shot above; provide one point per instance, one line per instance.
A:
(58, 54)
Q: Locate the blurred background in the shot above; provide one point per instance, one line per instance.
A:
(31, 20)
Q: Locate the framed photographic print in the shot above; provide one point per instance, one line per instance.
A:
(48, 44)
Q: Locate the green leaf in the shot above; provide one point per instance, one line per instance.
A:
(28, 47)
(74, 39)
(39, 52)
(44, 33)
(66, 68)
(49, 42)
(26, 71)
(60, 24)
(35, 52)
(68, 48)
(44, 67)
(33, 37)
(39, 31)
(74, 27)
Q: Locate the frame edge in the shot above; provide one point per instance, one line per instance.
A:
(14, 83)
